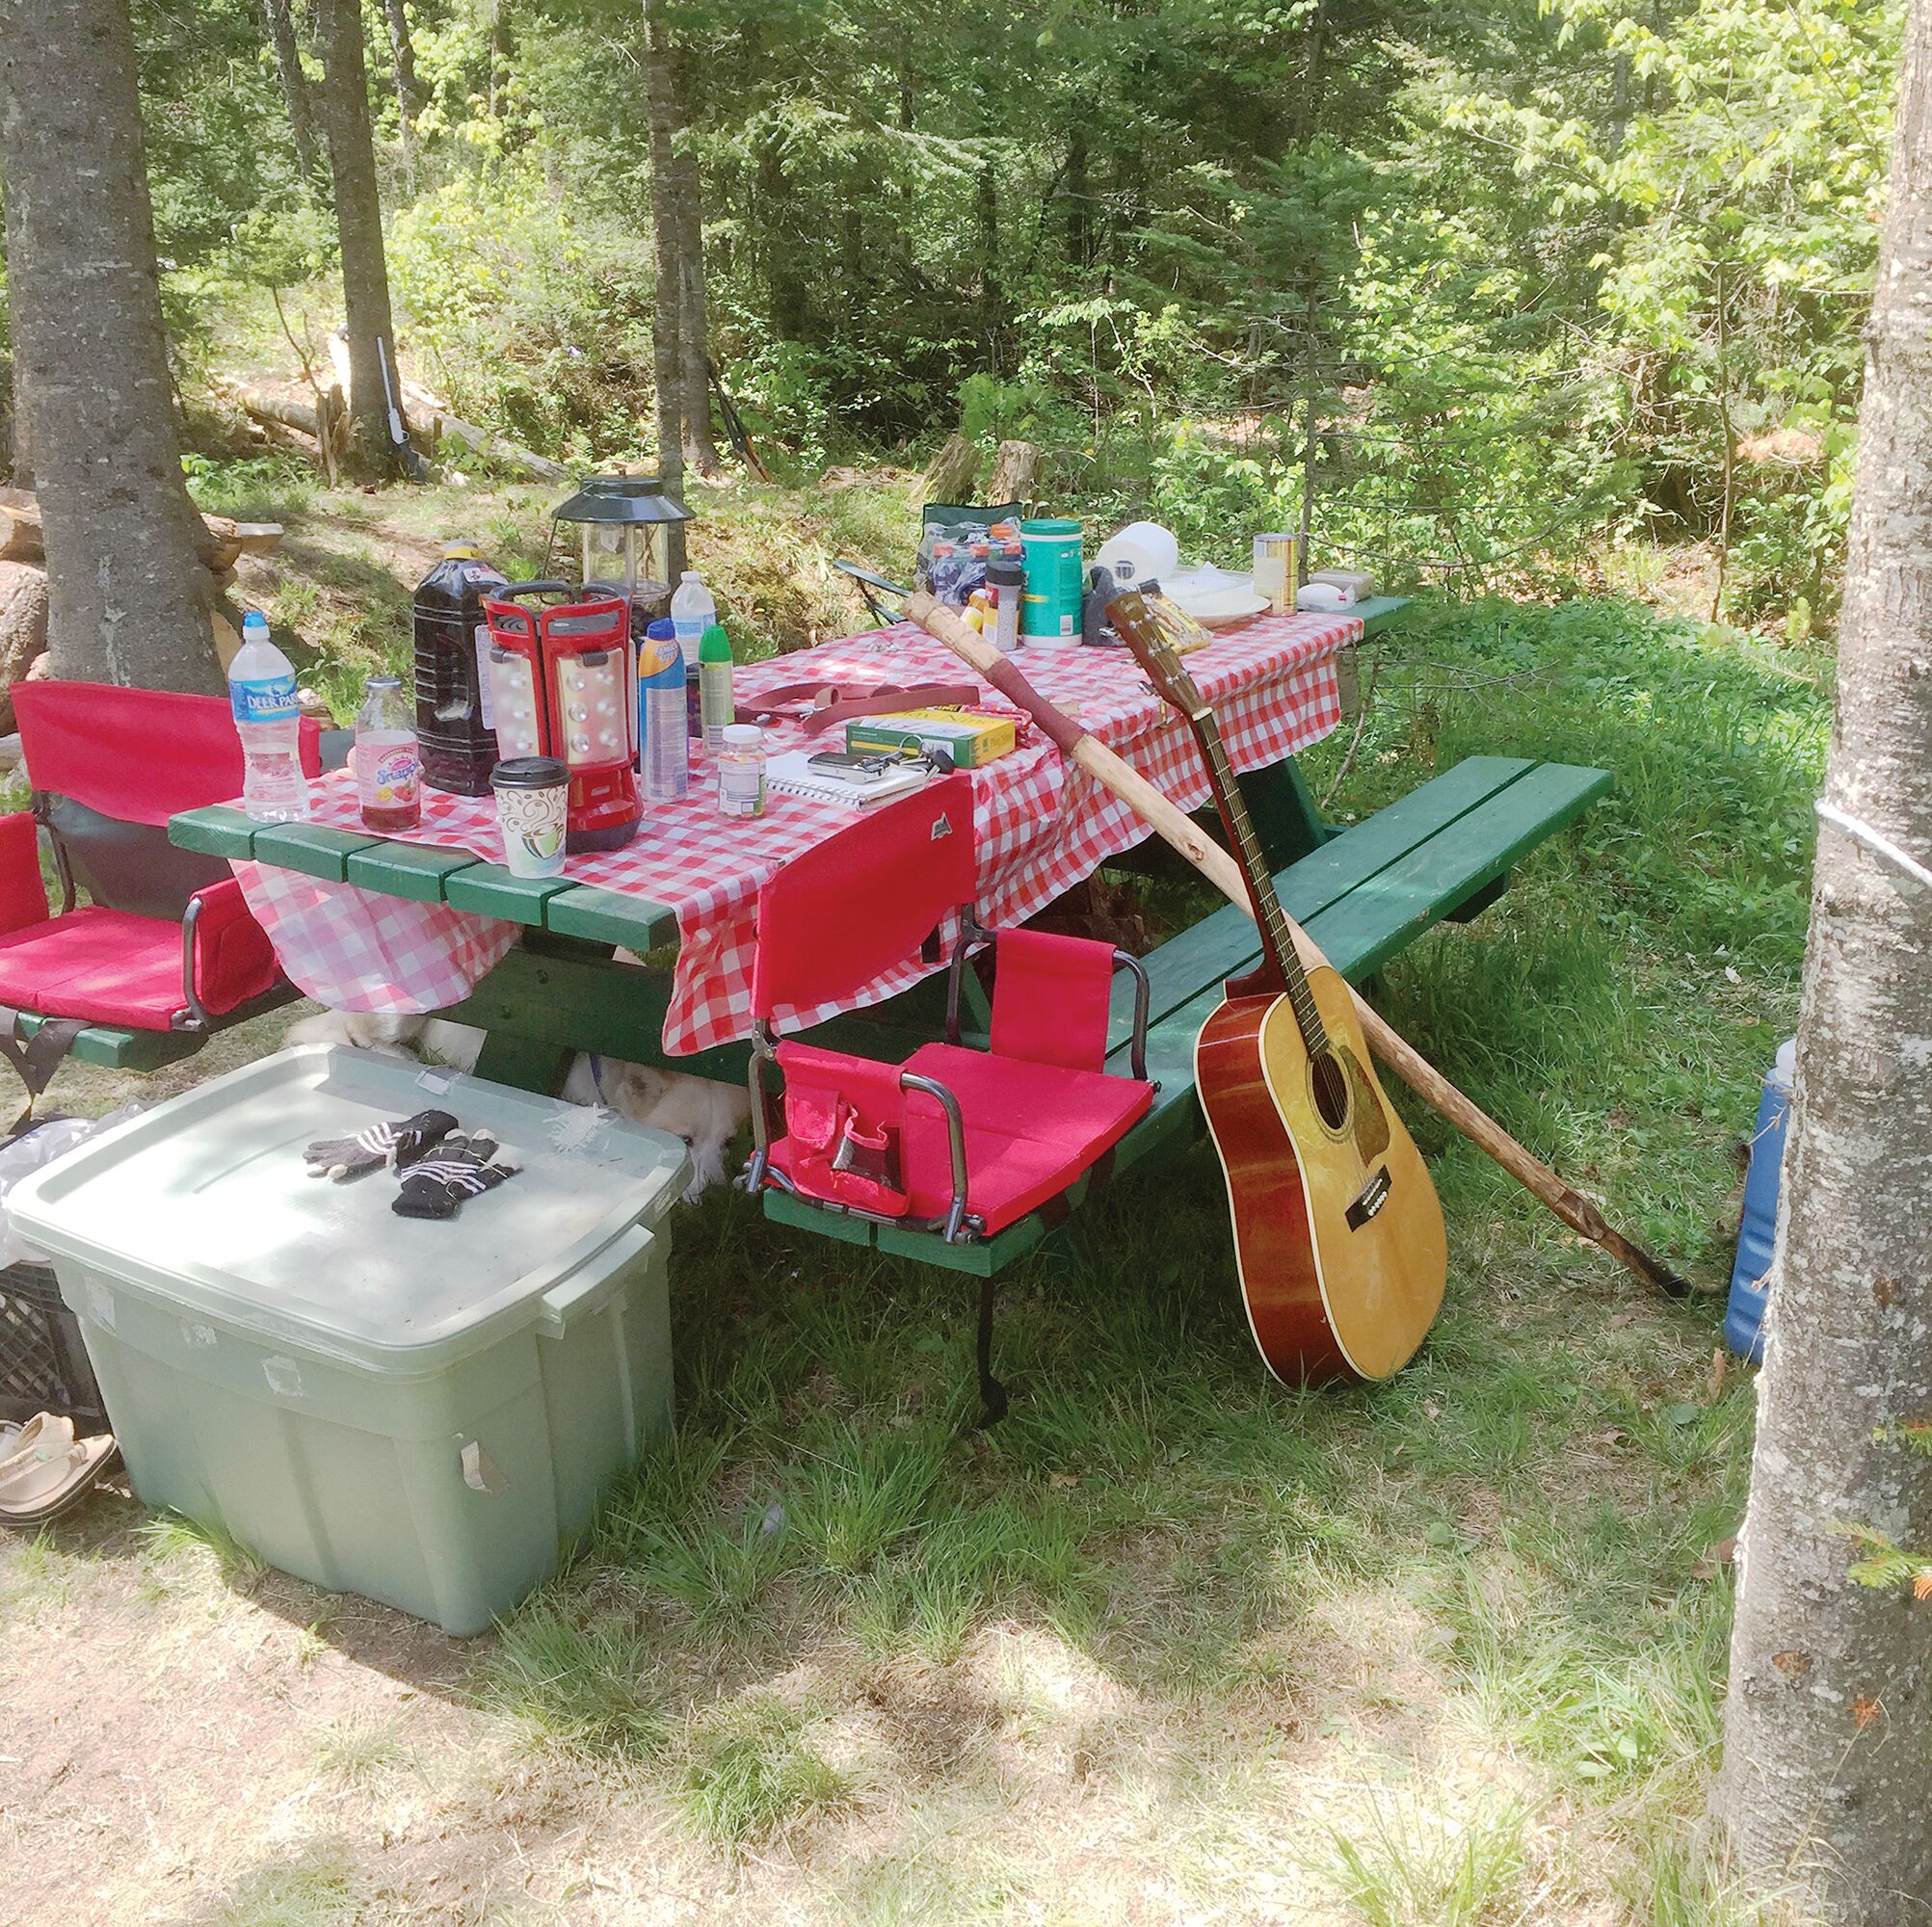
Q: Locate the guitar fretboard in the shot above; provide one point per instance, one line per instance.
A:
(1276, 938)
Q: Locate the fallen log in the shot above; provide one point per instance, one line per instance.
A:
(434, 415)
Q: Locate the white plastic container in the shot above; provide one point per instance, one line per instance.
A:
(419, 1410)
(261, 694)
(693, 611)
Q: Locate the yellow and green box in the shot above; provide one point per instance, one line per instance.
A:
(972, 738)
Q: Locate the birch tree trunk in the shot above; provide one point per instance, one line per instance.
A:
(1828, 1728)
(374, 386)
(294, 85)
(127, 598)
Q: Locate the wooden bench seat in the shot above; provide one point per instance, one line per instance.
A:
(1364, 896)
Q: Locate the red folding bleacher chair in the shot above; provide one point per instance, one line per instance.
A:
(956, 1140)
(166, 941)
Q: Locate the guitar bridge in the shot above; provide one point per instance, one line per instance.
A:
(1369, 1200)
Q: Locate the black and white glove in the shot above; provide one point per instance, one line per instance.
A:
(464, 1164)
(399, 1145)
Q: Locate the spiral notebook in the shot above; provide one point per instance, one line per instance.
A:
(792, 773)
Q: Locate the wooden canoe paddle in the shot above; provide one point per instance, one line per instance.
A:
(1172, 823)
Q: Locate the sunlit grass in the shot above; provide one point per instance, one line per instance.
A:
(752, 1773)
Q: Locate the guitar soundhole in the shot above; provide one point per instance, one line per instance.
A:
(1330, 1090)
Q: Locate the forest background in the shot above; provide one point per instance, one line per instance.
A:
(1560, 287)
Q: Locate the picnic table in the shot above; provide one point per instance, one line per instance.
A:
(428, 921)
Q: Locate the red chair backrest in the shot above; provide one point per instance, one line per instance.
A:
(137, 755)
(864, 900)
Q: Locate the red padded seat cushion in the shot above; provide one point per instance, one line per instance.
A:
(110, 966)
(1031, 1129)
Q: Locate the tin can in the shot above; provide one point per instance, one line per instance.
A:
(1278, 569)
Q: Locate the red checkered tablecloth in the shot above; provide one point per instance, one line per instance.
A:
(1040, 825)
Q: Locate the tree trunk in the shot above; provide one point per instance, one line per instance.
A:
(1079, 228)
(680, 328)
(1829, 1721)
(126, 595)
(694, 319)
(403, 49)
(20, 453)
(668, 237)
(375, 391)
(294, 84)
(951, 476)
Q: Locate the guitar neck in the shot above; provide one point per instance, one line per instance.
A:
(1278, 943)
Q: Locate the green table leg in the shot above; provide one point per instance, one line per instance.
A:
(528, 1062)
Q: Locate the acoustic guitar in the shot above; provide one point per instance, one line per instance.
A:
(1337, 1232)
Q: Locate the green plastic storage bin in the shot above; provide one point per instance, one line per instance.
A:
(421, 1411)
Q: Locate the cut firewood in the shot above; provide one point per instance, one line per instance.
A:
(431, 413)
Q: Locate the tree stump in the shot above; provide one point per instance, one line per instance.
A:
(950, 478)
(1015, 470)
(23, 627)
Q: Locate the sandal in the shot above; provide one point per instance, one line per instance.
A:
(43, 1483)
(47, 1429)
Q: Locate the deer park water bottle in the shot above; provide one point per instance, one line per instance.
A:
(261, 694)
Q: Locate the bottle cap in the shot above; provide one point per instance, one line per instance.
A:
(663, 631)
(464, 549)
(691, 575)
(254, 619)
(714, 644)
(744, 736)
(386, 683)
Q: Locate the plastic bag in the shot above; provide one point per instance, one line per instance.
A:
(35, 1147)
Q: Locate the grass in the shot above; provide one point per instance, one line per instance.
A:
(1459, 1628)
(1409, 1869)
(1505, 1534)
(753, 1774)
(360, 1749)
(172, 1535)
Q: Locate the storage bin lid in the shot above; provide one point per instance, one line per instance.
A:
(205, 1202)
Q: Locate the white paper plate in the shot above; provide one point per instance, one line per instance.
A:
(1224, 607)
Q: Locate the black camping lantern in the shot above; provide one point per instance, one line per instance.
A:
(620, 526)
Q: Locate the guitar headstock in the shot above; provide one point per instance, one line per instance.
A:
(1153, 648)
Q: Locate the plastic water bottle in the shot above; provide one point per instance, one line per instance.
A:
(1758, 1232)
(261, 694)
(693, 611)
(665, 754)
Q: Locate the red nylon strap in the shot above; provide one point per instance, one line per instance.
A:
(829, 703)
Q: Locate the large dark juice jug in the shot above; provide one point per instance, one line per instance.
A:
(454, 727)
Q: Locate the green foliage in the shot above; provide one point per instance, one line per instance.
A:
(1544, 276)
